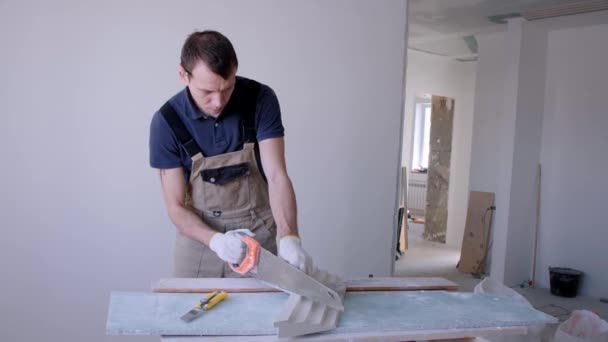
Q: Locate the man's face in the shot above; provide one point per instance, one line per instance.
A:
(210, 91)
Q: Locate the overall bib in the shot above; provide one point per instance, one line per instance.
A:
(228, 191)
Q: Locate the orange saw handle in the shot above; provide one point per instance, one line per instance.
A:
(251, 259)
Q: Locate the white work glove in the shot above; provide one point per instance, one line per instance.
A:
(290, 250)
(229, 246)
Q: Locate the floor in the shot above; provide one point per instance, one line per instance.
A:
(431, 259)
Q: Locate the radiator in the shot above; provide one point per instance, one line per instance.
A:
(416, 197)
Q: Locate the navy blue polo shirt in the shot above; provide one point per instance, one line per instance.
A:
(214, 135)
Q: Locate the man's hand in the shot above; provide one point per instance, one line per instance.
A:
(229, 247)
(290, 250)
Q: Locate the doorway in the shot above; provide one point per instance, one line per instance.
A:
(425, 188)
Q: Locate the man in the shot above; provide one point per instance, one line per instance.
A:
(219, 148)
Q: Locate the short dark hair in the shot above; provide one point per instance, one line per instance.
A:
(212, 48)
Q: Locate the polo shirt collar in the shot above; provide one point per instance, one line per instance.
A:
(192, 110)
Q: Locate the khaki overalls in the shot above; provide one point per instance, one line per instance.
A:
(228, 192)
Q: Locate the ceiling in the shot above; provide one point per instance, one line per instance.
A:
(448, 27)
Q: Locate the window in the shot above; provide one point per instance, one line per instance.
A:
(421, 136)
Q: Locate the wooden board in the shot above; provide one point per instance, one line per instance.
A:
(250, 285)
(476, 232)
(253, 314)
(400, 284)
(402, 229)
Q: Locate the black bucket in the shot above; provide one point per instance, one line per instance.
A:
(564, 281)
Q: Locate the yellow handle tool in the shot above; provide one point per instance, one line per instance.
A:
(213, 299)
(206, 304)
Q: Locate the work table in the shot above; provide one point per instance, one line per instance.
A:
(376, 309)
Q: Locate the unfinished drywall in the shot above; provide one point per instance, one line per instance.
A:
(368, 315)
(82, 211)
(438, 182)
(573, 230)
(434, 75)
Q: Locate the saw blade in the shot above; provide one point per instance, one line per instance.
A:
(278, 273)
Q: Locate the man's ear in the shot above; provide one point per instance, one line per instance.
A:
(184, 76)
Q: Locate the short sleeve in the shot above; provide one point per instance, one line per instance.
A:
(269, 123)
(164, 148)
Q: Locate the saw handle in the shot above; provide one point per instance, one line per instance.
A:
(251, 258)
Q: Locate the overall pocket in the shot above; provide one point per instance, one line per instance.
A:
(226, 188)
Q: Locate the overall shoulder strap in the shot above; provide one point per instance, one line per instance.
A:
(249, 131)
(250, 104)
(181, 133)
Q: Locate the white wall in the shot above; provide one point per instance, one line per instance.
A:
(428, 74)
(81, 210)
(506, 143)
(487, 110)
(528, 111)
(573, 231)
(539, 99)
(493, 131)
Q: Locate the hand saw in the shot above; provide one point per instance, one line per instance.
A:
(265, 266)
